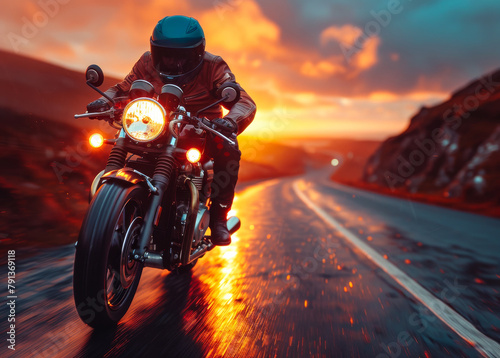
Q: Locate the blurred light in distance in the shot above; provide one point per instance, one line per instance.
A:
(193, 155)
(231, 212)
(96, 140)
(335, 162)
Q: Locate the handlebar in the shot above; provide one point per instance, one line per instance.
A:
(200, 122)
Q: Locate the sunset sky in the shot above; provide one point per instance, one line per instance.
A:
(343, 68)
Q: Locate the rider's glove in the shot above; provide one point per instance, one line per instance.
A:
(99, 105)
(226, 126)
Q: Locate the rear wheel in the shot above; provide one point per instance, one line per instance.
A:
(105, 275)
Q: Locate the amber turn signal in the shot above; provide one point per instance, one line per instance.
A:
(96, 140)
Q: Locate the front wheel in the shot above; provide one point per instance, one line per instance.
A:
(105, 275)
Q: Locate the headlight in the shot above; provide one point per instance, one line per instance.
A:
(143, 119)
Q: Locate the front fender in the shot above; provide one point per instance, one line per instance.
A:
(127, 175)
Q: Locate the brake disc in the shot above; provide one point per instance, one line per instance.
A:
(128, 266)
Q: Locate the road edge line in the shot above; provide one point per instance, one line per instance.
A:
(482, 343)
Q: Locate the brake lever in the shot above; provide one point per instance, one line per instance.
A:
(211, 130)
(106, 113)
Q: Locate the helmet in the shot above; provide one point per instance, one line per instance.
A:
(177, 49)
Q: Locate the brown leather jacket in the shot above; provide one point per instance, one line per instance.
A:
(197, 94)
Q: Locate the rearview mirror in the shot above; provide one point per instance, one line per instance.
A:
(229, 92)
(94, 75)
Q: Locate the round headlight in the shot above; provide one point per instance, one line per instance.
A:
(143, 119)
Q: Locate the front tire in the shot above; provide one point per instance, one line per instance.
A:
(102, 293)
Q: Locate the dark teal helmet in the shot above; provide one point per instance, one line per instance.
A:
(177, 49)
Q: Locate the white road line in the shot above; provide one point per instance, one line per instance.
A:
(483, 344)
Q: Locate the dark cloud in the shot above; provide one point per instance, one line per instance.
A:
(444, 41)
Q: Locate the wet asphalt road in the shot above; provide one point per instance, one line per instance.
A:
(288, 286)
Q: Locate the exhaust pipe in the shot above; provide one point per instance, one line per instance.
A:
(153, 260)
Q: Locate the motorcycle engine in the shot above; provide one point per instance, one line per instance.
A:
(202, 222)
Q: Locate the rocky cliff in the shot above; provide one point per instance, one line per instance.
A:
(452, 149)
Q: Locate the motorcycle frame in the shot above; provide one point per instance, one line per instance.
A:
(153, 209)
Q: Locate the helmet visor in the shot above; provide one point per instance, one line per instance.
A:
(176, 61)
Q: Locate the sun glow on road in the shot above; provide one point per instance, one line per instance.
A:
(224, 271)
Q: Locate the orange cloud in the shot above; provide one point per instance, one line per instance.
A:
(383, 97)
(418, 96)
(363, 54)
(321, 69)
(241, 28)
(367, 56)
(346, 34)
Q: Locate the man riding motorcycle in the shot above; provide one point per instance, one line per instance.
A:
(178, 57)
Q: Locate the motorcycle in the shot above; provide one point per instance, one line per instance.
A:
(150, 205)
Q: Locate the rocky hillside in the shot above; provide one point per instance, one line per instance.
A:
(452, 149)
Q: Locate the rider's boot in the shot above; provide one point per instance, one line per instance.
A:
(218, 224)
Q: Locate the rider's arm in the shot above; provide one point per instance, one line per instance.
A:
(241, 112)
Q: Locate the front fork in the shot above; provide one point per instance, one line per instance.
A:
(161, 180)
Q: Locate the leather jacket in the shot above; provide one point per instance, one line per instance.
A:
(197, 94)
